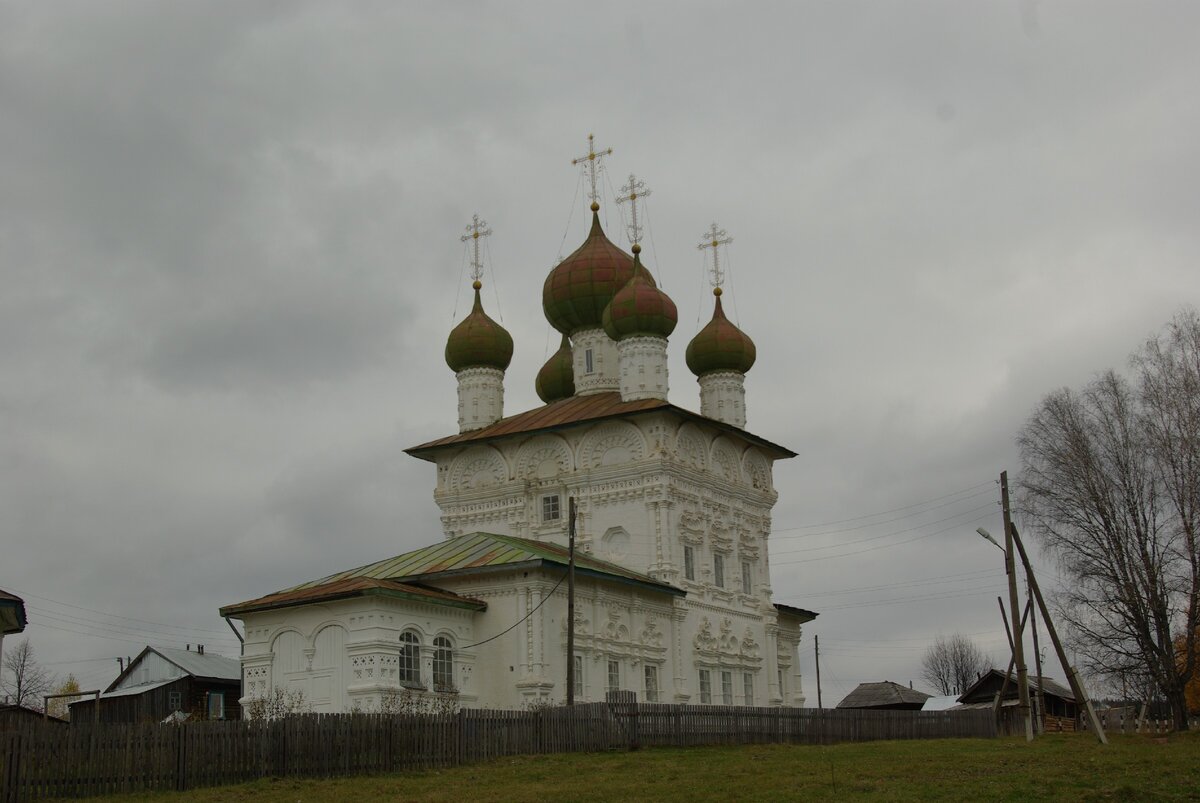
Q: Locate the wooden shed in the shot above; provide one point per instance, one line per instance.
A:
(160, 682)
(884, 696)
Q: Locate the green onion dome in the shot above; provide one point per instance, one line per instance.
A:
(720, 346)
(580, 287)
(640, 308)
(478, 342)
(556, 380)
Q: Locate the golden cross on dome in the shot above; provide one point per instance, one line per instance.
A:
(713, 238)
(633, 190)
(593, 157)
(476, 230)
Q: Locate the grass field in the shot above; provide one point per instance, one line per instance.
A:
(1059, 767)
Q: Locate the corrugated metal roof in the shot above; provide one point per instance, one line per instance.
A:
(803, 614)
(351, 587)
(467, 554)
(208, 665)
(580, 410)
(131, 690)
(477, 551)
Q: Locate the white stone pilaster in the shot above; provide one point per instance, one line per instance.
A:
(642, 365)
(723, 397)
(603, 374)
(480, 397)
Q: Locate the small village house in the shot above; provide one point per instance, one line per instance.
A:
(884, 696)
(160, 681)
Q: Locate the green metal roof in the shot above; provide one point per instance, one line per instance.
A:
(478, 553)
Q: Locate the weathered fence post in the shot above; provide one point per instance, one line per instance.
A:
(12, 769)
(180, 759)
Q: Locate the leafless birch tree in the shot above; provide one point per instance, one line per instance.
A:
(1111, 484)
(951, 665)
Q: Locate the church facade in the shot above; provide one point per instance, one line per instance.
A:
(672, 518)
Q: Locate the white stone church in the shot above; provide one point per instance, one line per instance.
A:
(673, 591)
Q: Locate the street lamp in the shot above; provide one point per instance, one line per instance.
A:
(988, 536)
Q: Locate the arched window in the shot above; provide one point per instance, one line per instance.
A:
(443, 665)
(410, 658)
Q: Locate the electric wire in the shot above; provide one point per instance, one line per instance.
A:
(113, 615)
(523, 618)
(885, 546)
(988, 506)
(883, 513)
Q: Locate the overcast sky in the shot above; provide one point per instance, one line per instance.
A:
(229, 258)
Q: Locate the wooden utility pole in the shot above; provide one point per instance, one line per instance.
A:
(571, 601)
(1072, 675)
(1013, 605)
(817, 649)
(1040, 719)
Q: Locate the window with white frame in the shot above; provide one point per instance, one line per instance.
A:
(551, 507)
(781, 689)
(410, 658)
(748, 688)
(587, 360)
(705, 687)
(578, 676)
(216, 705)
(727, 688)
(443, 665)
(747, 578)
(689, 563)
(719, 570)
(651, 683)
(614, 675)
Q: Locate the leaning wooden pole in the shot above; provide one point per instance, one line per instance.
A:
(1072, 673)
(1018, 636)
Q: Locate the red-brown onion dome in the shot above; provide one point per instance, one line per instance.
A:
(640, 308)
(720, 346)
(556, 380)
(478, 342)
(580, 287)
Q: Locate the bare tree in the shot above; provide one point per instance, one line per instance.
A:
(1111, 483)
(951, 665)
(24, 680)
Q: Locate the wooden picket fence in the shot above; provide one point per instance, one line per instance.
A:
(40, 761)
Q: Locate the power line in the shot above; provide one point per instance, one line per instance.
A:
(888, 535)
(885, 512)
(884, 546)
(113, 615)
(523, 618)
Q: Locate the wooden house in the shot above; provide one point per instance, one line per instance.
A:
(1061, 709)
(884, 696)
(160, 682)
(13, 717)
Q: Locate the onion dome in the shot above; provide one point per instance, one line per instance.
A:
(720, 346)
(556, 380)
(478, 342)
(580, 287)
(640, 308)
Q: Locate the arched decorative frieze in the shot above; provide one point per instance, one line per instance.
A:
(611, 444)
(756, 470)
(691, 447)
(543, 457)
(288, 650)
(478, 467)
(725, 462)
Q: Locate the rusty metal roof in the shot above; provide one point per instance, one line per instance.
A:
(475, 553)
(579, 410)
(351, 584)
(803, 614)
